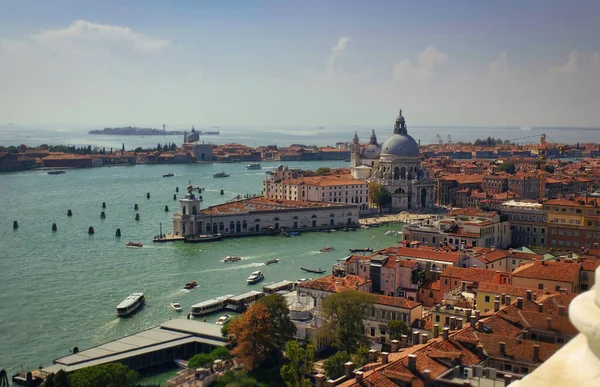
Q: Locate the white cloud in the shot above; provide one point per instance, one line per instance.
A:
(333, 63)
(428, 61)
(88, 32)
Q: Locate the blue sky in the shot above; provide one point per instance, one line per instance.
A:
(300, 63)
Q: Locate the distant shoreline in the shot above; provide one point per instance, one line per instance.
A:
(133, 131)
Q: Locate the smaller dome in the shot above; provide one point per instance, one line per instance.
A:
(371, 152)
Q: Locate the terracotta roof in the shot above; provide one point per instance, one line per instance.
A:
(549, 270)
(516, 348)
(327, 181)
(589, 265)
(396, 302)
(506, 289)
(335, 284)
(431, 285)
(406, 252)
(471, 274)
(492, 256)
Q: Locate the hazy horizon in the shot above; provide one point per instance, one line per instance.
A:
(285, 65)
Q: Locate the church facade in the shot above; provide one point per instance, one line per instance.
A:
(396, 165)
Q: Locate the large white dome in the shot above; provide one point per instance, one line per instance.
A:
(400, 145)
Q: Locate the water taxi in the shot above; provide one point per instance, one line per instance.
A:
(253, 166)
(130, 304)
(133, 244)
(221, 174)
(202, 238)
(209, 306)
(255, 277)
(176, 306)
(327, 249)
(190, 285)
(168, 175)
(224, 319)
(270, 261)
(56, 172)
(232, 258)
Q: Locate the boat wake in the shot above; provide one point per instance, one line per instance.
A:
(246, 266)
(315, 252)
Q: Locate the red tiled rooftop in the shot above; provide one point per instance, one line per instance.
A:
(396, 302)
(549, 270)
(335, 284)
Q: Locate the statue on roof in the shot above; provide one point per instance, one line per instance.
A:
(373, 138)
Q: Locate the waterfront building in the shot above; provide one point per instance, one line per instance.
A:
(396, 165)
(527, 222)
(332, 188)
(258, 216)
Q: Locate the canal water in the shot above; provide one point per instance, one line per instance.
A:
(60, 289)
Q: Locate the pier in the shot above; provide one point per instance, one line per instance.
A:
(163, 344)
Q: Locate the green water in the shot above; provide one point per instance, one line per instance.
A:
(60, 290)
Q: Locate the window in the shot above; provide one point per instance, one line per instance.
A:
(487, 298)
(541, 286)
(557, 288)
(445, 281)
(437, 318)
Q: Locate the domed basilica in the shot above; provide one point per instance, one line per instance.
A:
(396, 166)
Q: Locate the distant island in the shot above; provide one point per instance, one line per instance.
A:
(134, 131)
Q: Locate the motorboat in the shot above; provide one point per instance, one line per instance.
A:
(130, 304)
(176, 306)
(133, 244)
(391, 232)
(181, 363)
(295, 233)
(365, 250)
(224, 319)
(202, 238)
(318, 271)
(232, 258)
(56, 172)
(253, 166)
(168, 175)
(190, 285)
(255, 277)
(221, 174)
(270, 261)
(327, 249)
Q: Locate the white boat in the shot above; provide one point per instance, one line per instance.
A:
(270, 261)
(232, 258)
(181, 363)
(176, 306)
(209, 306)
(253, 166)
(130, 304)
(224, 319)
(391, 232)
(255, 277)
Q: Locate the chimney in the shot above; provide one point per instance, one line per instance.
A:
(480, 350)
(459, 322)
(427, 378)
(436, 330)
(562, 310)
(503, 299)
(395, 345)
(480, 326)
(404, 339)
(496, 305)
(445, 333)
(423, 338)
(548, 323)
(503, 348)
(384, 357)
(493, 248)
(529, 294)
(520, 302)
(412, 362)
(508, 300)
(319, 380)
(540, 308)
(477, 314)
(452, 323)
(536, 353)
(415, 338)
(507, 379)
(372, 356)
(348, 369)
(358, 376)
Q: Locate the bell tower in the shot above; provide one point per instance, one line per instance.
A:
(355, 152)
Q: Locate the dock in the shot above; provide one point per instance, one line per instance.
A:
(168, 238)
(174, 339)
(281, 286)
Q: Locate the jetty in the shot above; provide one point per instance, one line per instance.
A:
(167, 238)
(174, 339)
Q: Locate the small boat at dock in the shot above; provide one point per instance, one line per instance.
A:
(202, 238)
(270, 261)
(232, 258)
(318, 271)
(327, 249)
(190, 285)
(134, 244)
(365, 250)
(255, 277)
(224, 319)
(221, 174)
(181, 363)
(168, 175)
(56, 172)
(130, 304)
(176, 306)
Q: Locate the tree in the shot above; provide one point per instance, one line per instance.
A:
(237, 379)
(220, 353)
(200, 360)
(397, 329)
(378, 195)
(323, 171)
(346, 311)
(283, 327)
(508, 167)
(253, 334)
(361, 357)
(112, 374)
(334, 365)
(300, 364)
(12, 149)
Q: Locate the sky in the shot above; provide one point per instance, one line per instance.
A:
(300, 63)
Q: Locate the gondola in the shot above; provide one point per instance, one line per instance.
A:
(318, 271)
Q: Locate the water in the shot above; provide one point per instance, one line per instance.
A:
(60, 290)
